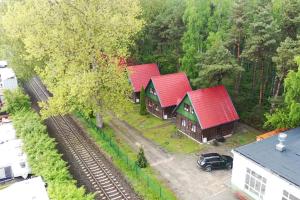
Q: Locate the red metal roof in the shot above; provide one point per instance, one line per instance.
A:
(213, 106)
(171, 88)
(140, 75)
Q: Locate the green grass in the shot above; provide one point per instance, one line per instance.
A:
(162, 132)
(239, 139)
(141, 188)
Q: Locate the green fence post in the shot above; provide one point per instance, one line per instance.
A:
(160, 194)
(148, 181)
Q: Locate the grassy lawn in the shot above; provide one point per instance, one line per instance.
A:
(162, 132)
(140, 187)
(241, 138)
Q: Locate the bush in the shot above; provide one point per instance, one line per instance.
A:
(141, 159)
(43, 157)
(143, 110)
(15, 101)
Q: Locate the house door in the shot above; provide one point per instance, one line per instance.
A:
(8, 172)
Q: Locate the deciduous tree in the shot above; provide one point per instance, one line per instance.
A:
(76, 46)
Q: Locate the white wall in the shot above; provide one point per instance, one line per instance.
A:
(10, 84)
(274, 186)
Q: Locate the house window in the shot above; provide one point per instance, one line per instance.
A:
(152, 91)
(192, 110)
(288, 196)
(183, 123)
(186, 107)
(150, 104)
(156, 108)
(255, 183)
(193, 128)
(22, 164)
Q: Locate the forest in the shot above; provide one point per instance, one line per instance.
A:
(250, 46)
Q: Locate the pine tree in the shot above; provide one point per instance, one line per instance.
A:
(288, 116)
(260, 43)
(141, 159)
(285, 61)
(237, 35)
(290, 18)
(143, 110)
(217, 64)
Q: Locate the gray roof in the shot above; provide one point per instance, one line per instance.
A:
(286, 164)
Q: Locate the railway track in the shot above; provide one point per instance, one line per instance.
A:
(104, 183)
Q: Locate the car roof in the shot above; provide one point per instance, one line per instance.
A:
(210, 155)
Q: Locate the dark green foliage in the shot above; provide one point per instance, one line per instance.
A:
(261, 44)
(288, 116)
(141, 159)
(143, 110)
(285, 61)
(44, 159)
(217, 64)
(159, 42)
(290, 18)
(16, 101)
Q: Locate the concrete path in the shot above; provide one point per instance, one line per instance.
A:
(179, 171)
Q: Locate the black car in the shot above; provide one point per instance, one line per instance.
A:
(211, 161)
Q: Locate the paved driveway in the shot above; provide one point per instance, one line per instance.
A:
(180, 171)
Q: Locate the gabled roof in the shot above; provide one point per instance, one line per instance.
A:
(140, 75)
(285, 164)
(213, 106)
(171, 88)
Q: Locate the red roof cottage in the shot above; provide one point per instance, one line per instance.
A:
(139, 76)
(206, 114)
(164, 92)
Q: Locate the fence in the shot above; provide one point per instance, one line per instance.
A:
(144, 179)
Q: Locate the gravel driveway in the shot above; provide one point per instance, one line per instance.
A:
(180, 171)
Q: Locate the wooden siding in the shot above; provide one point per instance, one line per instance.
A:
(187, 129)
(181, 111)
(135, 96)
(148, 94)
(154, 108)
(210, 133)
(218, 131)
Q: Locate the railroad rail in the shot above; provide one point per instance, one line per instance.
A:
(104, 183)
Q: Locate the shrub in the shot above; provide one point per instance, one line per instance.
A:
(141, 159)
(43, 157)
(143, 110)
(15, 101)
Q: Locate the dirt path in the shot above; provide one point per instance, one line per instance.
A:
(179, 171)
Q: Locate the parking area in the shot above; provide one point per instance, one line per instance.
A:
(180, 171)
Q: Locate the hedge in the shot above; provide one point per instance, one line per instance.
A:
(43, 157)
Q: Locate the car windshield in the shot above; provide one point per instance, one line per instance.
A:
(223, 157)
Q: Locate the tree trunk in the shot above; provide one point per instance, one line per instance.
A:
(261, 88)
(254, 77)
(277, 89)
(276, 93)
(239, 75)
(99, 120)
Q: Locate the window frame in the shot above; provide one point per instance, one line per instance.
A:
(255, 183)
(288, 196)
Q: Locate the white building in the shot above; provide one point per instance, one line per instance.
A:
(13, 161)
(3, 63)
(8, 81)
(30, 189)
(260, 171)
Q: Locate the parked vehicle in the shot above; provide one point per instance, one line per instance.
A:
(210, 161)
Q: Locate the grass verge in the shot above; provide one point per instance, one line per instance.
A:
(144, 181)
(163, 133)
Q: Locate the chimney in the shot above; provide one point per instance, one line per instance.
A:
(281, 138)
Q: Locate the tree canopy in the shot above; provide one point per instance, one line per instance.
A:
(75, 47)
